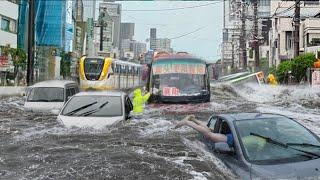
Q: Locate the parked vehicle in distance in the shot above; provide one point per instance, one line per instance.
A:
(50, 95)
(96, 109)
(287, 150)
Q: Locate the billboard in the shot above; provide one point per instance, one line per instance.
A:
(315, 78)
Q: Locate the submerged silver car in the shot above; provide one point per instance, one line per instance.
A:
(280, 147)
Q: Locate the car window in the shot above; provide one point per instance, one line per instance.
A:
(68, 93)
(46, 94)
(280, 129)
(73, 91)
(212, 122)
(94, 106)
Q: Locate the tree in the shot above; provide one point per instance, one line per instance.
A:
(65, 64)
(18, 57)
(283, 70)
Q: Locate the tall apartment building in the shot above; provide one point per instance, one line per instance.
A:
(163, 44)
(127, 31)
(153, 38)
(114, 11)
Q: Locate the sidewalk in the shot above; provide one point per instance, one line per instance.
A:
(11, 90)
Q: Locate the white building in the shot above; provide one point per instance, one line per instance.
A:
(9, 12)
(8, 17)
(282, 32)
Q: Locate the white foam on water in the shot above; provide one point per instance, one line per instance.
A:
(206, 155)
(274, 94)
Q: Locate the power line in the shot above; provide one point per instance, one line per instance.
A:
(188, 33)
(173, 9)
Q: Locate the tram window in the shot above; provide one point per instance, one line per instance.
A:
(118, 68)
(112, 66)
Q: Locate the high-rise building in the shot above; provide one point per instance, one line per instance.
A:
(79, 10)
(89, 7)
(127, 31)
(163, 44)
(114, 11)
(23, 25)
(153, 38)
(138, 49)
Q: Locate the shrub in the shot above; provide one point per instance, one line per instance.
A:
(282, 71)
(300, 65)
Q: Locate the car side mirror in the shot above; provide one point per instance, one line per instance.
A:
(223, 148)
(55, 111)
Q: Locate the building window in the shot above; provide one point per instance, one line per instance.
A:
(264, 2)
(8, 25)
(289, 40)
(5, 24)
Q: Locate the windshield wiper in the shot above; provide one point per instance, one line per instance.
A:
(94, 110)
(270, 140)
(80, 108)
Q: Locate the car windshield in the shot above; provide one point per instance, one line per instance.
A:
(93, 106)
(287, 141)
(46, 94)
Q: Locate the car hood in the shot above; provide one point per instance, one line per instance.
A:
(296, 170)
(93, 122)
(42, 106)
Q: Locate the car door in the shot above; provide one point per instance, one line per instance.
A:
(231, 160)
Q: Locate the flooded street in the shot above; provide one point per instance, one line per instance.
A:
(36, 146)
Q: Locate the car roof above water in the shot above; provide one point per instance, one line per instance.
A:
(53, 83)
(101, 93)
(246, 116)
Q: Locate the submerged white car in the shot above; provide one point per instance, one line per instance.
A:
(96, 109)
(49, 95)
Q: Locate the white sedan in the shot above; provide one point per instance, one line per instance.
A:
(95, 109)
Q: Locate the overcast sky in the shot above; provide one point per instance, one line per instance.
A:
(207, 20)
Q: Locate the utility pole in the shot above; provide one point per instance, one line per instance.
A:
(256, 33)
(296, 20)
(242, 42)
(101, 36)
(30, 61)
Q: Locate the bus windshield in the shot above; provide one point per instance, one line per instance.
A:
(93, 68)
(179, 78)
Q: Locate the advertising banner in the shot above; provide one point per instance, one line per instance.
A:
(170, 91)
(315, 80)
(187, 68)
(4, 61)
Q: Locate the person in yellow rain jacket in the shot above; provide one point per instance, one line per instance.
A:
(139, 101)
(272, 80)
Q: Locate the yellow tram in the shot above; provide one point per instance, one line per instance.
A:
(104, 73)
